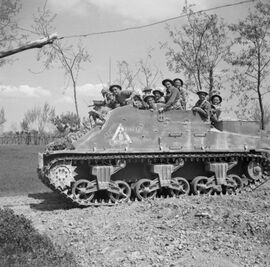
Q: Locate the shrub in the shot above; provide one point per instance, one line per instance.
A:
(22, 245)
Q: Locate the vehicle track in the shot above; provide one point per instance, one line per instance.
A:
(150, 158)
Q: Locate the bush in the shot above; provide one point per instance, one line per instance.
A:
(22, 245)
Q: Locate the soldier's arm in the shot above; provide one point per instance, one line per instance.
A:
(183, 97)
(172, 99)
(128, 93)
(205, 109)
(195, 106)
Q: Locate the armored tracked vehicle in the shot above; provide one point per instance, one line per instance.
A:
(139, 154)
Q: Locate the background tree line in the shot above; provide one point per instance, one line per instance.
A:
(205, 51)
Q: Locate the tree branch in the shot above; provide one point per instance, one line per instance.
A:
(34, 44)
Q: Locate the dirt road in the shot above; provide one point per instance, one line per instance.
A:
(190, 231)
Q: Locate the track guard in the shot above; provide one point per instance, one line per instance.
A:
(220, 169)
(104, 173)
(165, 172)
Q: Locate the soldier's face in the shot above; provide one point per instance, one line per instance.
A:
(168, 85)
(150, 101)
(110, 96)
(177, 83)
(215, 100)
(116, 90)
(157, 95)
(138, 103)
(202, 96)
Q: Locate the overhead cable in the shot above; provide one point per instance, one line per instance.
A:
(152, 24)
(144, 25)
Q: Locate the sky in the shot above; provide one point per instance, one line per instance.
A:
(21, 88)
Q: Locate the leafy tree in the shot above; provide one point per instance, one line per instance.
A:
(197, 49)
(144, 72)
(69, 57)
(11, 36)
(250, 53)
(38, 118)
(2, 116)
(257, 114)
(67, 122)
(8, 25)
(126, 75)
(2, 119)
(149, 73)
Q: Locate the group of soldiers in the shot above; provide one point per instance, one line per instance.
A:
(173, 98)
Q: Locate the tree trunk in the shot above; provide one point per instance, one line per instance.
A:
(75, 95)
(259, 91)
(260, 103)
(199, 78)
(211, 81)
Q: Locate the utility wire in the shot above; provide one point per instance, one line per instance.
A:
(141, 26)
(154, 23)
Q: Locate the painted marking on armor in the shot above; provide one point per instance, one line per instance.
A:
(120, 136)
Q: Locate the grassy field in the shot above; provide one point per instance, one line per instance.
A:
(18, 170)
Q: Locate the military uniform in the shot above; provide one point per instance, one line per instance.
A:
(123, 97)
(137, 101)
(205, 108)
(182, 98)
(215, 113)
(172, 99)
(150, 100)
(182, 92)
(98, 112)
(159, 99)
(215, 107)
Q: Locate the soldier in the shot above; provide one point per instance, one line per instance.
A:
(137, 101)
(178, 83)
(98, 112)
(104, 91)
(159, 96)
(122, 97)
(150, 100)
(172, 96)
(215, 107)
(146, 91)
(202, 106)
(110, 100)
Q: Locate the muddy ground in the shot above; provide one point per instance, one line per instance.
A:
(190, 231)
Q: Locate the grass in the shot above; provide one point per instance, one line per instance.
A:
(18, 170)
(22, 245)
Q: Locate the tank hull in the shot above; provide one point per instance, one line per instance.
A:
(142, 154)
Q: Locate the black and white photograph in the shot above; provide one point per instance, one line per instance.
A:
(134, 133)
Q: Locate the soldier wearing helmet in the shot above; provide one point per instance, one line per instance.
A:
(178, 83)
(202, 106)
(97, 112)
(159, 96)
(137, 101)
(172, 96)
(215, 101)
(122, 97)
(150, 100)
